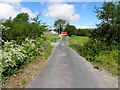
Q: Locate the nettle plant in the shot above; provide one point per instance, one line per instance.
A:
(14, 56)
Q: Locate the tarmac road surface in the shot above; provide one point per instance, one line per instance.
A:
(66, 69)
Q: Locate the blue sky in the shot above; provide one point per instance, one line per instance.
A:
(80, 14)
(87, 16)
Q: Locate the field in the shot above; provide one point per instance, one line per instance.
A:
(50, 37)
(78, 40)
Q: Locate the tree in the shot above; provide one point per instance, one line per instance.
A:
(20, 28)
(60, 25)
(5, 31)
(38, 26)
(36, 19)
(108, 29)
(83, 32)
(22, 17)
(71, 29)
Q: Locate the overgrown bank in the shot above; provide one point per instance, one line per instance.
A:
(103, 47)
(97, 52)
(21, 43)
(15, 57)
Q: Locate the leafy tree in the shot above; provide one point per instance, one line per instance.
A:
(71, 29)
(7, 24)
(22, 17)
(83, 32)
(36, 19)
(20, 28)
(60, 24)
(108, 29)
(38, 26)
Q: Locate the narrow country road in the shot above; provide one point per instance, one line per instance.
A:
(66, 69)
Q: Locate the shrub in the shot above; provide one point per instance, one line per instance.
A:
(15, 56)
(99, 53)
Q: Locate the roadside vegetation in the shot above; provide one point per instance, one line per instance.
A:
(102, 48)
(23, 40)
(21, 43)
(97, 53)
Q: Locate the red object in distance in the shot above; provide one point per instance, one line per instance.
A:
(64, 33)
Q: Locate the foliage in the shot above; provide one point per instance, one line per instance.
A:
(22, 43)
(71, 30)
(23, 17)
(83, 32)
(103, 48)
(60, 24)
(108, 30)
(20, 28)
(108, 60)
(48, 50)
(99, 53)
(15, 56)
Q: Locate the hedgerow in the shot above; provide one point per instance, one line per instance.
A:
(103, 56)
(15, 56)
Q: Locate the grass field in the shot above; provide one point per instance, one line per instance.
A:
(51, 37)
(78, 40)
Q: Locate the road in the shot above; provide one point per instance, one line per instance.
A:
(66, 69)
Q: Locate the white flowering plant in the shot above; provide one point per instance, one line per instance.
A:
(14, 56)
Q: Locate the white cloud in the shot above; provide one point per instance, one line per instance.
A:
(31, 14)
(11, 9)
(62, 11)
(7, 10)
(84, 26)
(14, 2)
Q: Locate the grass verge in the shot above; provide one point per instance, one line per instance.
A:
(97, 53)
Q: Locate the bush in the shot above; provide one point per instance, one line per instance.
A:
(15, 56)
(108, 60)
(48, 49)
(102, 55)
(20, 28)
(83, 32)
(90, 49)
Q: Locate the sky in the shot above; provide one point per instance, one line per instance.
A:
(81, 14)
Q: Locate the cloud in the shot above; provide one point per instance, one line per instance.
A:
(11, 9)
(62, 11)
(31, 14)
(14, 2)
(84, 26)
(7, 10)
